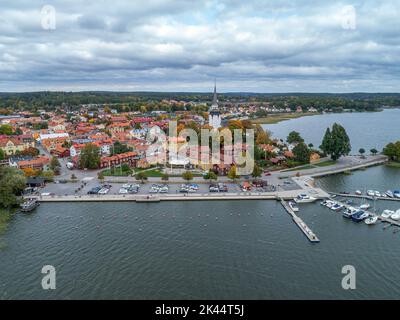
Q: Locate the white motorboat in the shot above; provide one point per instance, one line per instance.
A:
(396, 215)
(304, 198)
(371, 220)
(371, 193)
(336, 207)
(358, 192)
(389, 194)
(377, 194)
(293, 206)
(387, 213)
(365, 206)
(349, 212)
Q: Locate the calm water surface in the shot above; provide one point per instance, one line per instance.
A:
(201, 250)
(366, 129)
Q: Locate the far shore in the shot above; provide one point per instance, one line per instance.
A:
(276, 118)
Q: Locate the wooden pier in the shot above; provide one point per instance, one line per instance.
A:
(300, 223)
(361, 196)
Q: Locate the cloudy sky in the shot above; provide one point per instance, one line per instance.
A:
(182, 45)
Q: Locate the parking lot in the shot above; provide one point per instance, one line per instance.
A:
(84, 186)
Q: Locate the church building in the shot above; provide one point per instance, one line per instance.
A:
(214, 117)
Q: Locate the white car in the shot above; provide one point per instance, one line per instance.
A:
(104, 191)
(123, 191)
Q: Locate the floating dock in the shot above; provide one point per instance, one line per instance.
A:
(300, 223)
(353, 195)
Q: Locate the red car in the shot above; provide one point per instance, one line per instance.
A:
(267, 173)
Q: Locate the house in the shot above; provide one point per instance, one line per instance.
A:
(15, 144)
(129, 158)
(52, 136)
(35, 182)
(314, 157)
(39, 163)
(60, 152)
(118, 127)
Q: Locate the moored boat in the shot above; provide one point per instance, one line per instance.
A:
(389, 194)
(293, 206)
(304, 198)
(349, 212)
(359, 216)
(358, 192)
(396, 215)
(387, 213)
(371, 220)
(29, 205)
(365, 206)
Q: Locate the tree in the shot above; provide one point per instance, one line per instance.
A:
(392, 150)
(54, 163)
(262, 138)
(164, 177)
(141, 176)
(310, 145)
(361, 151)
(232, 173)
(187, 175)
(100, 176)
(118, 148)
(73, 177)
(336, 142)
(374, 151)
(48, 175)
(6, 129)
(294, 137)
(301, 153)
(12, 182)
(326, 142)
(257, 171)
(31, 152)
(210, 175)
(2, 154)
(90, 157)
(29, 172)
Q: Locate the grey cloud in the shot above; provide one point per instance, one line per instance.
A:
(182, 45)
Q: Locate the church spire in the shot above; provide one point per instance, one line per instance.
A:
(215, 99)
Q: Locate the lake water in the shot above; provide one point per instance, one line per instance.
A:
(212, 249)
(366, 129)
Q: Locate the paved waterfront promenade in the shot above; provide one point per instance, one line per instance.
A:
(315, 192)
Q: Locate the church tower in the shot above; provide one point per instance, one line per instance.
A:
(214, 117)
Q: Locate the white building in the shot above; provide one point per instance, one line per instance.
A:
(52, 136)
(214, 117)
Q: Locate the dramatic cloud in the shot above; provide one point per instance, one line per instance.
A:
(160, 45)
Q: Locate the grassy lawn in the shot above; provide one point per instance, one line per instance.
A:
(393, 164)
(153, 173)
(311, 166)
(275, 118)
(117, 173)
(325, 163)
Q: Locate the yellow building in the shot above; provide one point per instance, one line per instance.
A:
(16, 144)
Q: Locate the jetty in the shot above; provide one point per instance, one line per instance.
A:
(300, 223)
(360, 196)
